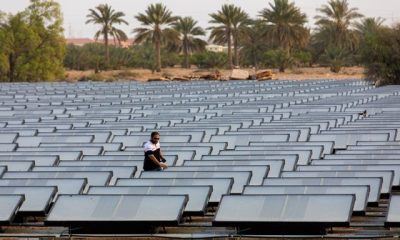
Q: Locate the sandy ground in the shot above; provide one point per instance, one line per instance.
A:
(145, 75)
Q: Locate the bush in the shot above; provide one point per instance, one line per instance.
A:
(302, 58)
(278, 59)
(169, 59)
(335, 58)
(381, 56)
(91, 56)
(209, 59)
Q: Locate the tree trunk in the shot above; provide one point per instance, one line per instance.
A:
(11, 64)
(230, 64)
(236, 52)
(186, 52)
(255, 64)
(107, 50)
(158, 55)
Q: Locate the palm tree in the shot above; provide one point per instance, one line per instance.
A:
(241, 22)
(336, 19)
(230, 21)
(285, 23)
(254, 45)
(369, 25)
(189, 43)
(107, 18)
(156, 22)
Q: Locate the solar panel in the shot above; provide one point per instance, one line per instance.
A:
(342, 140)
(289, 159)
(258, 173)
(199, 111)
(195, 135)
(197, 201)
(241, 178)
(294, 135)
(215, 146)
(62, 155)
(99, 132)
(105, 146)
(378, 143)
(8, 137)
(275, 166)
(355, 162)
(10, 132)
(285, 212)
(391, 132)
(304, 156)
(373, 183)
(64, 185)
(305, 131)
(199, 150)
(298, 133)
(376, 152)
(140, 140)
(3, 169)
(103, 163)
(237, 140)
(222, 127)
(374, 147)
(387, 176)
(92, 150)
(393, 215)
(35, 141)
(10, 205)
(220, 186)
(111, 212)
(117, 171)
(17, 165)
(7, 147)
(93, 178)
(362, 156)
(171, 159)
(40, 160)
(313, 125)
(181, 154)
(364, 167)
(360, 192)
(317, 151)
(37, 199)
(208, 131)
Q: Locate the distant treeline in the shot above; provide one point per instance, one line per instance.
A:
(33, 47)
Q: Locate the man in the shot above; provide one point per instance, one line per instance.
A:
(153, 157)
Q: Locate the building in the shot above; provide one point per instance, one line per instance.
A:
(216, 48)
(83, 41)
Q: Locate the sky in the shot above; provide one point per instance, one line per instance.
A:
(75, 11)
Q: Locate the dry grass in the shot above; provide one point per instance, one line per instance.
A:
(145, 75)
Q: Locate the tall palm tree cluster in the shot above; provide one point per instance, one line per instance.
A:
(280, 27)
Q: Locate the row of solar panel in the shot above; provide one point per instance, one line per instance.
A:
(246, 124)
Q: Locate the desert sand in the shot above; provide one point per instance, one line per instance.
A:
(146, 75)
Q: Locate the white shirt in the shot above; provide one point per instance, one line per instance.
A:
(149, 146)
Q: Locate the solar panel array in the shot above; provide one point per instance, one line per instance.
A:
(261, 157)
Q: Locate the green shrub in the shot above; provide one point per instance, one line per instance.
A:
(381, 56)
(302, 58)
(278, 59)
(335, 58)
(209, 59)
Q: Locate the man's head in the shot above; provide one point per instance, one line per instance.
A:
(155, 137)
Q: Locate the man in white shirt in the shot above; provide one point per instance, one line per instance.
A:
(153, 157)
